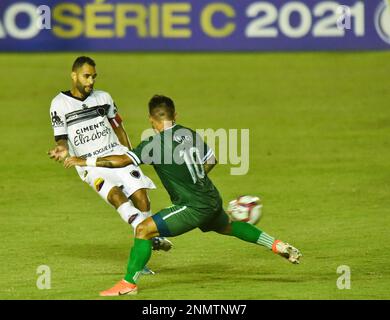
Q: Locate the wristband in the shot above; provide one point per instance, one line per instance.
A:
(91, 162)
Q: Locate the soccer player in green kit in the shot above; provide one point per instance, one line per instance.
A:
(182, 161)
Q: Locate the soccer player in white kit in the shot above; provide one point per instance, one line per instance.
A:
(86, 124)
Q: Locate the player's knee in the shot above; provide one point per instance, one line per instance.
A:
(145, 230)
(140, 200)
(116, 197)
(142, 204)
(142, 230)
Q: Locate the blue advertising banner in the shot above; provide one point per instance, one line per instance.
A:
(201, 25)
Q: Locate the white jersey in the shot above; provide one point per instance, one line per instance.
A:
(85, 123)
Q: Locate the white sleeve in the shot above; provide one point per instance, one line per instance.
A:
(58, 121)
(112, 110)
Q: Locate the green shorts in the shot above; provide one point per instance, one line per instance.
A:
(177, 220)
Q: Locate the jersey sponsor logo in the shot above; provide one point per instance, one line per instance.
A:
(111, 146)
(132, 218)
(96, 152)
(56, 120)
(91, 133)
(135, 174)
(98, 183)
(182, 138)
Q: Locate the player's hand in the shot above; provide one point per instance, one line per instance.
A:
(74, 161)
(59, 153)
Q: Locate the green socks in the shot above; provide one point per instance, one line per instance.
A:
(250, 233)
(245, 231)
(139, 256)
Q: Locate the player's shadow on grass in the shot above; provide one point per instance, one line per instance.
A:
(218, 271)
(102, 252)
(213, 271)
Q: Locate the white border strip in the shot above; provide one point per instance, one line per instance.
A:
(134, 157)
(174, 212)
(208, 155)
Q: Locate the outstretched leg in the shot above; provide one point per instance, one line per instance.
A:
(250, 233)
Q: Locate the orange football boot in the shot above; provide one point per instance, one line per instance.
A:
(120, 289)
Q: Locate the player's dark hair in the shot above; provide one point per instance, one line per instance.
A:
(162, 107)
(80, 61)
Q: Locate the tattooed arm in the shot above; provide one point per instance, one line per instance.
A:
(107, 162)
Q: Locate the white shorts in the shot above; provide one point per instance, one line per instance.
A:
(129, 179)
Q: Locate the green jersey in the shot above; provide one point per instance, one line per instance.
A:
(178, 154)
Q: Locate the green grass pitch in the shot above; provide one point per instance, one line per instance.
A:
(319, 157)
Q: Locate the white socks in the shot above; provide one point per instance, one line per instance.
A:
(127, 211)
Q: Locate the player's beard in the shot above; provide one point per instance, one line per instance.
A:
(84, 90)
(88, 89)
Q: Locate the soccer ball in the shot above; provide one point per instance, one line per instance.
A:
(245, 209)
